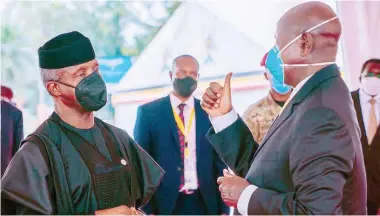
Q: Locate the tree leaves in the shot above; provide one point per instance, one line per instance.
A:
(26, 25)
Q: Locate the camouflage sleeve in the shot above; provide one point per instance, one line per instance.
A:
(253, 125)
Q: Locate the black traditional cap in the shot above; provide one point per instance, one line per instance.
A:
(65, 50)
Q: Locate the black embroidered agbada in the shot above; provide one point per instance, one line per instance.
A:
(57, 171)
(61, 169)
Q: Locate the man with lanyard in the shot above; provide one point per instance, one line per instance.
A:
(173, 130)
(75, 163)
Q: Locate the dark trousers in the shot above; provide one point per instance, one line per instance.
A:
(372, 208)
(190, 204)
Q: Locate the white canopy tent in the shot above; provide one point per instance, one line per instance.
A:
(226, 36)
(360, 20)
(193, 29)
(361, 35)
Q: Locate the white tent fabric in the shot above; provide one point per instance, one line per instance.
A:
(218, 46)
(257, 19)
(361, 35)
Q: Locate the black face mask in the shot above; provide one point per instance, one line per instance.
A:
(185, 87)
(91, 92)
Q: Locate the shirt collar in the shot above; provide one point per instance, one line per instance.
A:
(364, 98)
(299, 86)
(176, 102)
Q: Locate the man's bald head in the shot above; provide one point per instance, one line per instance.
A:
(185, 57)
(183, 66)
(304, 16)
(317, 45)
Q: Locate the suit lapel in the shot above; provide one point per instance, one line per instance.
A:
(200, 125)
(376, 139)
(169, 118)
(319, 77)
(358, 109)
(276, 124)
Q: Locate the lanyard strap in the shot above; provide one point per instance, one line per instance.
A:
(180, 123)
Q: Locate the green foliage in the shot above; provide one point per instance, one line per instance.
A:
(110, 25)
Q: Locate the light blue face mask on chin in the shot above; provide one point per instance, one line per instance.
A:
(277, 86)
(276, 65)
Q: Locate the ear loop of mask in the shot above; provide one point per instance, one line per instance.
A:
(305, 65)
(295, 39)
(68, 85)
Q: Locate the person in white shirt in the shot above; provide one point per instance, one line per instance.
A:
(173, 131)
(367, 105)
(310, 161)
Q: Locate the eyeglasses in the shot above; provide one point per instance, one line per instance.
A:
(372, 74)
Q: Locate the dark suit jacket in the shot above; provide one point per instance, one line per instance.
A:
(371, 154)
(156, 132)
(11, 133)
(310, 161)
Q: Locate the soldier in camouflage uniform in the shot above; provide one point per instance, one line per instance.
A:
(260, 116)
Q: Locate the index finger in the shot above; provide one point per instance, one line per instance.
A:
(211, 94)
(220, 180)
(216, 88)
(134, 212)
(227, 173)
(123, 209)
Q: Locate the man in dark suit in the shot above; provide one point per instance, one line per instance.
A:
(367, 106)
(310, 161)
(173, 131)
(11, 129)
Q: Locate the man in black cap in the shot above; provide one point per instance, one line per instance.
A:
(75, 163)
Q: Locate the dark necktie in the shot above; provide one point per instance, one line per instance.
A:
(182, 144)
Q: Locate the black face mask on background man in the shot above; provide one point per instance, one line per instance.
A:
(91, 92)
(185, 87)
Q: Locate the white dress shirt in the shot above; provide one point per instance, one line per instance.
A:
(190, 163)
(222, 122)
(366, 108)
